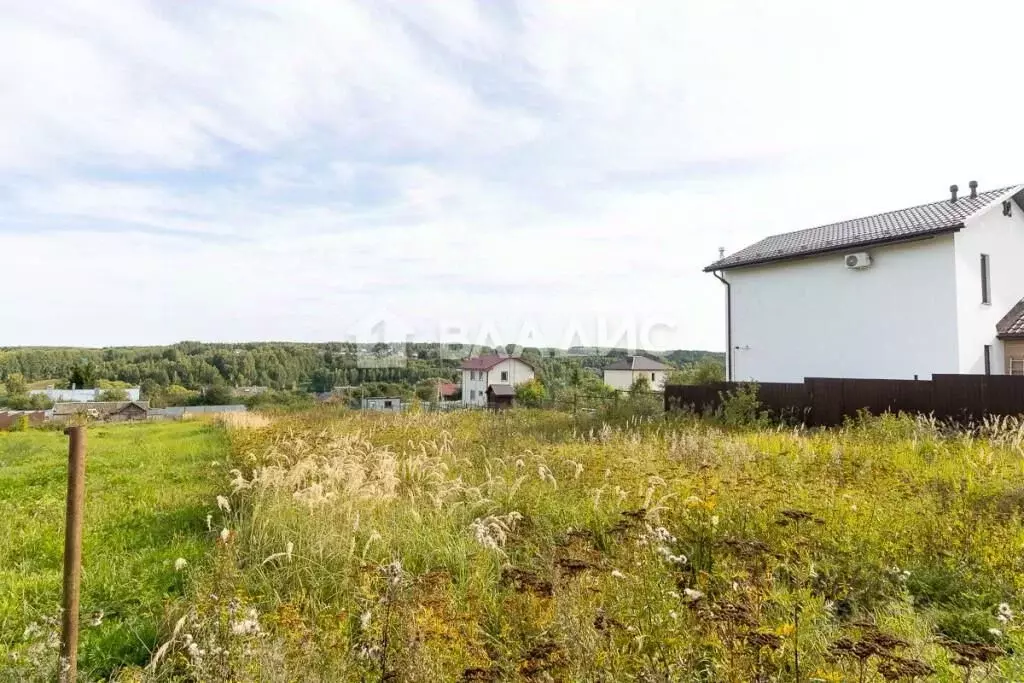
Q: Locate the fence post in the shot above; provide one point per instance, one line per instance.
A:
(72, 553)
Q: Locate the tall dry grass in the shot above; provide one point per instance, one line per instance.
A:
(526, 546)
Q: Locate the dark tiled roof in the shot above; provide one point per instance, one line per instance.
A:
(638, 363)
(488, 362)
(1012, 324)
(501, 390)
(884, 227)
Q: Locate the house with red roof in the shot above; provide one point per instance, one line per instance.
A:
(483, 372)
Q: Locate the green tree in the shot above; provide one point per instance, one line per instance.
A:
(113, 394)
(218, 395)
(707, 370)
(83, 375)
(15, 384)
(531, 394)
(321, 381)
(641, 385)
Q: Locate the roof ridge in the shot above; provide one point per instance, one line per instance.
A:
(886, 226)
(894, 211)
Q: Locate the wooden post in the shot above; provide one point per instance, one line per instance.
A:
(72, 553)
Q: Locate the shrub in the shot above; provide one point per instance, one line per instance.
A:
(742, 408)
(531, 394)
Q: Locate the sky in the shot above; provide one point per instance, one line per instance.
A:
(478, 171)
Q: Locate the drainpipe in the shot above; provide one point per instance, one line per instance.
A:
(728, 326)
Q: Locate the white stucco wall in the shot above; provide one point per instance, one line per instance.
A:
(623, 379)
(814, 317)
(1002, 238)
(517, 373)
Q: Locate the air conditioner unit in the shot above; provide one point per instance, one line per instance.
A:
(858, 261)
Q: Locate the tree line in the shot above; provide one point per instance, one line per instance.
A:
(191, 371)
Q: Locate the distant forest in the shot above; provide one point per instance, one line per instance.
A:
(285, 366)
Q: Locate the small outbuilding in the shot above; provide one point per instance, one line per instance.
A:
(501, 396)
(386, 404)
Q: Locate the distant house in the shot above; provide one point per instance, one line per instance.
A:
(81, 395)
(107, 411)
(500, 396)
(929, 289)
(623, 373)
(448, 390)
(385, 404)
(481, 372)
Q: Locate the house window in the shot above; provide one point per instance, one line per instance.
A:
(986, 283)
(652, 376)
(988, 359)
(387, 404)
(504, 375)
(1017, 366)
(472, 394)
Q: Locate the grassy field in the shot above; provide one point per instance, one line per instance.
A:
(530, 546)
(525, 546)
(148, 491)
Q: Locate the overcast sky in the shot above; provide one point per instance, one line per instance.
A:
(534, 171)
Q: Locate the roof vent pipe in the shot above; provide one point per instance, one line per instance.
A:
(721, 253)
(974, 189)
(953, 189)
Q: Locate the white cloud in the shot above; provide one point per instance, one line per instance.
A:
(259, 170)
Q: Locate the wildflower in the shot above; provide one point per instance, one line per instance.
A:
(248, 626)
(714, 520)
(692, 594)
(996, 632)
(288, 550)
(209, 522)
(673, 614)
(225, 535)
(180, 564)
(364, 620)
(617, 574)
(223, 504)
(666, 553)
(97, 618)
(393, 572)
(662, 534)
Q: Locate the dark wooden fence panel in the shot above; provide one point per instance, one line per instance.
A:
(829, 401)
(785, 400)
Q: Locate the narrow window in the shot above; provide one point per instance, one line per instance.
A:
(986, 285)
(504, 375)
(988, 359)
(652, 376)
(472, 394)
(1017, 366)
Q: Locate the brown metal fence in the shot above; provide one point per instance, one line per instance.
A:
(827, 401)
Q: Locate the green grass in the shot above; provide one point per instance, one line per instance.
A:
(527, 546)
(148, 491)
(530, 547)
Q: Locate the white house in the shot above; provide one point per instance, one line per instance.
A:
(621, 374)
(927, 290)
(483, 371)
